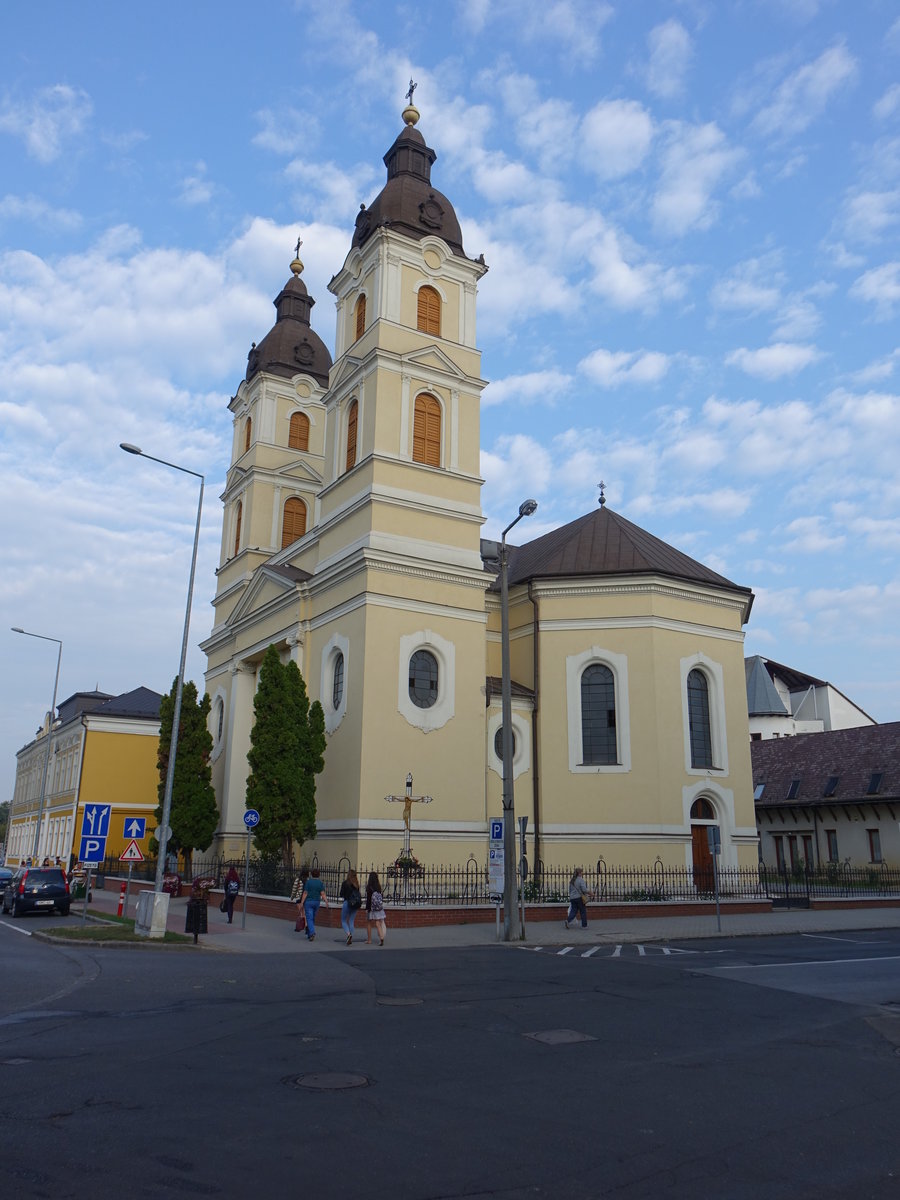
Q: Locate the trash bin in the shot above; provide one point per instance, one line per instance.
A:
(196, 917)
(77, 888)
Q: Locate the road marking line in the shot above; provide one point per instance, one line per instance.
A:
(16, 928)
(641, 951)
(588, 953)
(617, 952)
(565, 950)
(824, 937)
(824, 962)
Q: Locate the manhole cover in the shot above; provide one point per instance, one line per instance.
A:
(560, 1037)
(327, 1081)
(398, 1001)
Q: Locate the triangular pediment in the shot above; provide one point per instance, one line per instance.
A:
(347, 366)
(270, 584)
(433, 358)
(301, 470)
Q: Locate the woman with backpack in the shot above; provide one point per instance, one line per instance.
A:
(374, 909)
(232, 890)
(352, 902)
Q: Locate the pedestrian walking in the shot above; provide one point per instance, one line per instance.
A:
(296, 892)
(313, 895)
(374, 909)
(351, 903)
(232, 890)
(578, 898)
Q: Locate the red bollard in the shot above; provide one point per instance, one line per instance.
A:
(122, 887)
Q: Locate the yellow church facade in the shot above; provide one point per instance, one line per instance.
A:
(352, 541)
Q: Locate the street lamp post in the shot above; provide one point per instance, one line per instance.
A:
(176, 715)
(37, 828)
(511, 928)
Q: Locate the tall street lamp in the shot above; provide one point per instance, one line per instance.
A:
(511, 928)
(176, 715)
(37, 828)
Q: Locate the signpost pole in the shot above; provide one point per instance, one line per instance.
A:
(128, 888)
(251, 820)
(714, 838)
(87, 892)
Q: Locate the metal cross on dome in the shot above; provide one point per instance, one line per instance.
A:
(297, 247)
(412, 88)
(601, 485)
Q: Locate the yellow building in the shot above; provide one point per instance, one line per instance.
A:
(102, 779)
(352, 541)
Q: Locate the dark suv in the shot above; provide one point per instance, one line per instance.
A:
(37, 889)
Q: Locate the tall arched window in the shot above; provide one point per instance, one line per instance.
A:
(337, 681)
(248, 429)
(237, 526)
(352, 413)
(423, 679)
(428, 316)
(427, 431)
(293, 525)
(360, 317)
(698, 718)
(298, 434)
(598, 715)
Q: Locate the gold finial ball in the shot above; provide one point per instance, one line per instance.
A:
(410, 115)
(297, 266)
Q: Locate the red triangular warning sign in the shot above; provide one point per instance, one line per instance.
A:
(132, 853)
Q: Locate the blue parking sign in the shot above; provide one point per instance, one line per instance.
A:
(93, 850)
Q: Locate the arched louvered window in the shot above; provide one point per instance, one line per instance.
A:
(360, 317)
(248, 430)
(427, 431)
(698, 717)
(237, 526)
(298, 434)
(352, 414)
(598, 715)
(293, 525)
(428, 317)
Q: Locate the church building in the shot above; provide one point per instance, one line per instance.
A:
(352, 542)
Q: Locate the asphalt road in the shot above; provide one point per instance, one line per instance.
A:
(731, 1068)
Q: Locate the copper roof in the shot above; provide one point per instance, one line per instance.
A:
(408, 202)
(603, 543)
(291, 347)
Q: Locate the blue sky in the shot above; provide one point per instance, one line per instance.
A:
(690, 212)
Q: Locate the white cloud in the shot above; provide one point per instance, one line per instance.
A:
(196, 189)
(695, 160)
(33, 208)
(617, 136)
(612, 368)
(804, 95)
(328, 192)
(753, 286)
(880, 286)
(534, 387)
(811, 535)
(671, 51)
(885, 107)
(775, 361)
(869, 215)
(54, 116)
(570, 27)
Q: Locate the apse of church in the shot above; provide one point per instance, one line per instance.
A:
(352, 541)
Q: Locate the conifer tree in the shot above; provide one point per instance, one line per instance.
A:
(287, 747)
(194, 816)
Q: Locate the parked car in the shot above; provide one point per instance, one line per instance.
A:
(6, 875)
(37, 889)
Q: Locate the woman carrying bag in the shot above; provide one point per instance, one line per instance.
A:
(351, 903)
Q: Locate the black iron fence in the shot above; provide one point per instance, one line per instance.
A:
(460, 886)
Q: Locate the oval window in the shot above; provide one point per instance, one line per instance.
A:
(498, 743)
(423, 679)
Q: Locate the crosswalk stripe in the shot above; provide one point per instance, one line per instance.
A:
(588, 953)
(565, 950)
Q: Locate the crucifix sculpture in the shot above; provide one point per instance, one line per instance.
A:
(408, 800)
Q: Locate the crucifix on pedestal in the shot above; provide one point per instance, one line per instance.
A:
(408, 800)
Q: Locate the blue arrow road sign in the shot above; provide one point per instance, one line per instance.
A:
(251, 818)
(96, 820)
(135, 827)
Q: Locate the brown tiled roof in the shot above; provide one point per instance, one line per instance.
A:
(603, 543)
(494, 687)
(853, 755)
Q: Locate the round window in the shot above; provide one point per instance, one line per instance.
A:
(423, 679)
(498, 743)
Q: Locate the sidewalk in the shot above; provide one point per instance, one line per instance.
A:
(273, 935)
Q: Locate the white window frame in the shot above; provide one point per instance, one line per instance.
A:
(219, 697)
(575, 668)
(336, 644)
(443, 709)
(715, 679)
(521, 726)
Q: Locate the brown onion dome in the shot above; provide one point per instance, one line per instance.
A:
(407, 202)
(291, 347)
